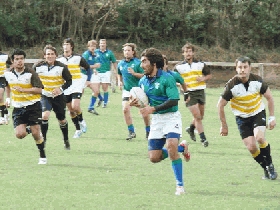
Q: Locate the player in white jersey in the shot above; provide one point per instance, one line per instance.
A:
(26, 88)
(73, 94)
(245, 91)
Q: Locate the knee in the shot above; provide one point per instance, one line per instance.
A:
(155, 159)
(21, 135)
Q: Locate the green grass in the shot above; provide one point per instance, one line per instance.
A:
(104, 171)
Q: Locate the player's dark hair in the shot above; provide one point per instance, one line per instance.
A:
(154, 56)
(17, 52)
(243, 59)
(70, 41)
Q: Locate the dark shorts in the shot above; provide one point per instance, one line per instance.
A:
(158, 144)
(30, 115)
(69, 98)
(196, 97)
(57, 104)
(3, 82)
(246, 125)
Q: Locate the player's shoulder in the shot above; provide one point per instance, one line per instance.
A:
(39, 63)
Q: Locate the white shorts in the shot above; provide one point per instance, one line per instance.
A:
(125, 94)
(77, 86)
(101, 77)
(162, 124)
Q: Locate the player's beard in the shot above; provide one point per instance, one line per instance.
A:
(149, 70)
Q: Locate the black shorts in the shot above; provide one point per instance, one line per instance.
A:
(246, 125)
(196, 97)
(3, 82)
(69, 98)
(30, 115)
(57, 104)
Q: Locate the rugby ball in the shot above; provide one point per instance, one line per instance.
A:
(138, 93)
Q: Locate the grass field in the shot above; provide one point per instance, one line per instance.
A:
(104, 171)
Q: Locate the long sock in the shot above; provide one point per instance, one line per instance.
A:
(202, 136)
(64, 130)
(180, 148)
(44, 129)
(265, 151)
(106, 97)
(177, 167)
(92, 102)
(260, 159)
(41, 147)
(100, 97)
(164, 153)
(130, 128)
(5, 110)
(80, 116)
(75, 120)
(192, 127)
(2, 107)
(147, 128)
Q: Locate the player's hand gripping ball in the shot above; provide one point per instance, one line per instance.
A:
(140, 95)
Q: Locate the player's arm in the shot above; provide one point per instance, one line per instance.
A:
(66, 75)
(270, 104)
(221, 112)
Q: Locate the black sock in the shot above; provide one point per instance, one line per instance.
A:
(202, 136)
(266, 153)
(75, 120)
(41, 148)
(261, 160)
(192, 127)
(44, 128)
(80, 117)
(64, 129)
(2, 107)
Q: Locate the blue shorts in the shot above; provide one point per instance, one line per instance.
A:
(158, 144)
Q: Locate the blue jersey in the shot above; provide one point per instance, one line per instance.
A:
(89, 57)
(105, 58)
(129, 81)
(159, 89)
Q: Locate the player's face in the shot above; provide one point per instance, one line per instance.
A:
(243, 70)
(102, 45)
(67, 47)
(18, 62)
(127, 52)
(92, 47)
(146, 66)
(188, 54)
(50, 56)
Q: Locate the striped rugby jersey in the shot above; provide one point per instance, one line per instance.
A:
(27, 79)
(191, 71)
(3, 60)
(245, 99)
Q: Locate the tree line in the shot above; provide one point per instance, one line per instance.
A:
(230, 24)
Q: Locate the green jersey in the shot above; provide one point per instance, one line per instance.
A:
(104, 58)
(159, 89)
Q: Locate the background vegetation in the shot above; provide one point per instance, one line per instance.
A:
(249, 27)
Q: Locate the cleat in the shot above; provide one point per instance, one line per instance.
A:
(66, 145)
(266, 175)
(92, 111)
(204, 142)
(191, 133)
(42, 161)
(83, 126)
(271, 172)
(147, 135)
(77, 134)
(104, 105)
(180, 190)
(131, 135)
(6, 118)
(99, 103)
(186, 153)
